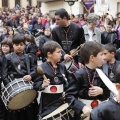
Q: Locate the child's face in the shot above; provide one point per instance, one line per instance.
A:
(19, 48)
(11, 32)
(5, 30)
(56, 55)
(102, 28)
(6, 49)
(92, 25)
(108, 56)
(99, 59)
(47, 32)
(109, 28)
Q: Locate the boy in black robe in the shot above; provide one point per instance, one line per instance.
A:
(52, 98)
(111, 64)
(20, 65)
(86, 83)
(109, 109)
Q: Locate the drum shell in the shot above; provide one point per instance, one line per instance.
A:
(71, 66)
(15, 88)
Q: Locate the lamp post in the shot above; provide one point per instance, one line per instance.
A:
(71, 2)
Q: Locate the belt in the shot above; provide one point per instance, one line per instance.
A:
(90, 103)
(53, 89)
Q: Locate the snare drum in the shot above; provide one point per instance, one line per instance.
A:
(61, 113)
(18, 94)
(71, 66)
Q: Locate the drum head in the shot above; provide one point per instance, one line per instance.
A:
(68, 64)
(22, 99)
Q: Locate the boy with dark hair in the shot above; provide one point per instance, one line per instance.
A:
(109, 109)
(85, 83)
(20, 65)
(111, 64)
(53, 87)
(109, 36)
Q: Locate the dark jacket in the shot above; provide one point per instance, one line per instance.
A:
(110, 37)
(107, 69)
(43, 39)
(71, 40)
(75, 36)
(12, 67)
(108, 110)
(51, 101)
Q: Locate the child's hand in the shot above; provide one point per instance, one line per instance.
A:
(46, 82)
(95, 91)
(86, 110)
(27, 78)
(67, 57)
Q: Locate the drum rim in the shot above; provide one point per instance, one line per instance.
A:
(59, 114)
(62, 113)
(22, 109)
(15, 91)
(15, 81)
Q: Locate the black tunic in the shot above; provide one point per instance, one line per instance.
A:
(110, 37)
(42, 40)
(13, 60)
(79, 87)
(107, 69)
(108, 110)
(49, 102)
(3, 66)
(117, 55)
(32, 49)
(75, 36)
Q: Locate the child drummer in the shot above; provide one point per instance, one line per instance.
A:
(20, 65)
(56, 82)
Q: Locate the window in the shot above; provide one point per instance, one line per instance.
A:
(29, 1)
(17, 2)
(38, 4)
(118, 6)
(4, 3)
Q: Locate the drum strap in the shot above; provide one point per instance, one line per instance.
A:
(27, 63)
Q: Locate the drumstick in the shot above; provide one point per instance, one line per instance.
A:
(40, 71)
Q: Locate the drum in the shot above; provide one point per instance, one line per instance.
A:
(71, 66)
(61, 113)
(18, 94)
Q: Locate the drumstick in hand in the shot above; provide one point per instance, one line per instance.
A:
(40, 71)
